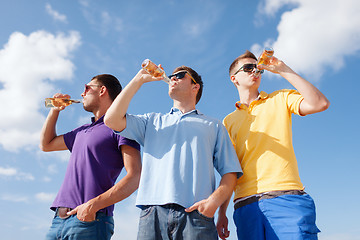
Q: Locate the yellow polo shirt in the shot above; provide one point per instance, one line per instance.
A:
(262, 136)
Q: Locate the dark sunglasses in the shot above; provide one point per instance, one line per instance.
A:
(181, 75)
(88, 86)
(249, 67)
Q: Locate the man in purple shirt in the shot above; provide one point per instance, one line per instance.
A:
(85, 202)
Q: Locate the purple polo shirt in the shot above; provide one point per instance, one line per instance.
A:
(94, 165)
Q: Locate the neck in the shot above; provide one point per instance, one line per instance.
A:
(183, 106)
(248, 95)
(98, 113)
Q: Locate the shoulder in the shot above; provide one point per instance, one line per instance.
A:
(145, 115)
(283, 92)
(210, 121)
(78, 129)
(231, 116)
(125, 141)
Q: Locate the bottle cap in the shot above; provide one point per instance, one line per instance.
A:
(145, 63)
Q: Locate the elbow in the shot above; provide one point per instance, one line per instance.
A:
(135, 179)
(323, 105)
(43, 148)
(137, 176)
(231, 179)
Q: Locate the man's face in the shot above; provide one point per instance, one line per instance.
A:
(245, 74)
(181, 84)
(91, 95)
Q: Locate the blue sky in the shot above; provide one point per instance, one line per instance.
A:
(57, 46)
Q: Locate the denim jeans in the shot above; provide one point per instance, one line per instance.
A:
(172, 222)
(74, 229)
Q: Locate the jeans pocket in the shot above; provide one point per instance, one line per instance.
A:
(210, 219)
(146, 211)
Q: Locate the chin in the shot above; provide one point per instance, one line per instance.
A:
(86, 108)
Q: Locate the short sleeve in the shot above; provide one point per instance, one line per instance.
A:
(135, 128)
(225, 158)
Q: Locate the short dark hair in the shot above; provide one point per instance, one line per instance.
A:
(196, 77)
(247, 54)
(111, 83)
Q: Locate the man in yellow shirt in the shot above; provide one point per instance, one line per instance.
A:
(269, 202)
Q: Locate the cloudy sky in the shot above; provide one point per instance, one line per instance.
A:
(57, 46)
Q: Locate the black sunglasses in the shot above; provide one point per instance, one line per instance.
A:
(181, 75)
(249, 67)
(88, 86)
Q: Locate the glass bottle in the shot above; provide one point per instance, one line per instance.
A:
(154, 70)
(265, 56)
(59, 102)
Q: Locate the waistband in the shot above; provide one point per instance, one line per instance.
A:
(240, 202)
(61, 212)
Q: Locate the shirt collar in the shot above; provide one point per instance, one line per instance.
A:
(262, 95)
(176, 110)
(101, 119)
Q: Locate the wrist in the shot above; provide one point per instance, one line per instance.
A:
(93, 205)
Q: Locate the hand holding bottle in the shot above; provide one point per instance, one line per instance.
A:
(276, 66)
(268, 62)
(60, 101)
(154, 70)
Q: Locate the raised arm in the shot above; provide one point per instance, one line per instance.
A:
(124, 188)
(115, 117)
(49, 140)
(314, 101)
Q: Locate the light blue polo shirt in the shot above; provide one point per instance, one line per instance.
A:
(180, 152)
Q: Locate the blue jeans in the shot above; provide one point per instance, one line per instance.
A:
(283, 217)
(73, 229)
(172, 222)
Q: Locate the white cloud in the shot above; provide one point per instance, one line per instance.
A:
(54, 14)
(28, 66)
(106, 23)
(10, 172)
(7, 172)
(316, 35)
(45, 197)
(84, 3)
(198, 24)
(126, 218)
(14, 198)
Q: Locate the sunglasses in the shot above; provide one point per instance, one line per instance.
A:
(249, 67)
(88, 86)
(181, 75)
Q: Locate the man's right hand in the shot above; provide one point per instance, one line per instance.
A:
(59, 103)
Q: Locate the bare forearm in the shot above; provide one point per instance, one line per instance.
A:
(223, 207)
(314, 101)
(115, 115)
(221, 196)
(209, 206)
(48, 132)
(123, 189)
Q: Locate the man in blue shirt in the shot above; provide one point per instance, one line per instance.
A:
(177, 192)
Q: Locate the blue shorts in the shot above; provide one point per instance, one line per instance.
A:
(283, 217)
